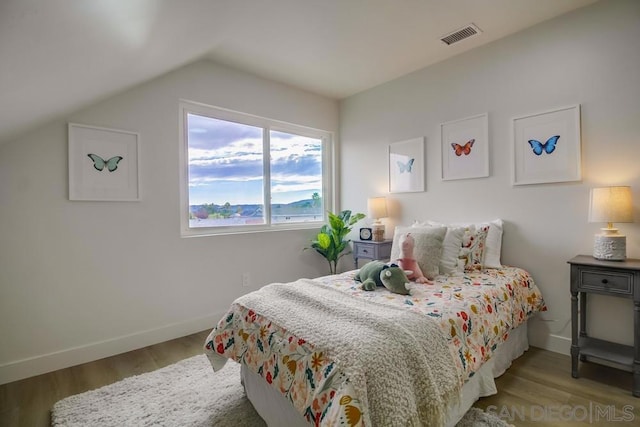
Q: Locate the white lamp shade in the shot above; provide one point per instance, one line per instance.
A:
(611, 204)
(377, 207)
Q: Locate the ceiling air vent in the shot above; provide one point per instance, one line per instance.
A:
(461, 34)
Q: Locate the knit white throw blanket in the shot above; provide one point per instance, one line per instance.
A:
(397, 361)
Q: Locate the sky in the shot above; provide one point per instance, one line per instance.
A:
(225, 164)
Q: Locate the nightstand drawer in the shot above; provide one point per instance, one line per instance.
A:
(610, 282)
(371, 250)
(365, 250)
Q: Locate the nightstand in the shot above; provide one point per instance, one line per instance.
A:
(613, 278)
(368, 249)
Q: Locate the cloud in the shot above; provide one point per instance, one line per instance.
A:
(209, 133)
(222, 152)
(242, 168)
(295, 164)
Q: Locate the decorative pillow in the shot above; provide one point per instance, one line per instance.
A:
(473, 246)
(450, 248)
(427, 250)
(493, 244)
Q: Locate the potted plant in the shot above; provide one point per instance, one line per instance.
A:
(330, 241)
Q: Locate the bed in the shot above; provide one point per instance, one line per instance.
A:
(326, 352)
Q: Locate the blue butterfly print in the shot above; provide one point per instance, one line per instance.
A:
(547, 147)
(405, 166)
(99, 163)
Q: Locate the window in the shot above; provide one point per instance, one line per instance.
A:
(245, 173)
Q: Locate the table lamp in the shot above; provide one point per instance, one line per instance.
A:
(610, 204)
(377, 207)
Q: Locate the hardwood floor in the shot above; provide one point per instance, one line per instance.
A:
(536, 391)
(28, 402)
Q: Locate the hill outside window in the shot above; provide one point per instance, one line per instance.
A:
(243, 173)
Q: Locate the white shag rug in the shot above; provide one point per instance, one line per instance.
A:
(187, 393)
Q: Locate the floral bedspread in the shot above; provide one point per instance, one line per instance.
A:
(476, 310)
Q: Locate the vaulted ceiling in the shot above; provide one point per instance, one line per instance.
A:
(57, 56)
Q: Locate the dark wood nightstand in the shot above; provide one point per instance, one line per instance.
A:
(368, 249)
(613, 278)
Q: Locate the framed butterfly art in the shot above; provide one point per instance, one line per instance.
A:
(546, 147)
(465, 148)
(406, 166)
(103, 164)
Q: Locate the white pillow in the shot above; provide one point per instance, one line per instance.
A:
(493, 243)
(493, 247)
(450, 248)
(427, 249)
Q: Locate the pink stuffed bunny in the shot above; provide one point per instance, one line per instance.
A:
(408, 262)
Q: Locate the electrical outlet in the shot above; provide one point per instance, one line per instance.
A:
(246, 279)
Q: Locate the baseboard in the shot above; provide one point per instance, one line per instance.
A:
(546, 341)
(32, 366)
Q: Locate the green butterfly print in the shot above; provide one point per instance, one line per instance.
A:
(99, 163)
(405, 167)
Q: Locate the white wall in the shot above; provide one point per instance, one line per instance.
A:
(589, 57)
(84, 280)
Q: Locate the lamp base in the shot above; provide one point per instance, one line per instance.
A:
(378, 232)
(610, 246)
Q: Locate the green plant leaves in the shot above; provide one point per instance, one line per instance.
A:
(324, 241)
(330, 241)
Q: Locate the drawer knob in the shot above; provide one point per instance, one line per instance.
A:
(605, 281)
(365, 251)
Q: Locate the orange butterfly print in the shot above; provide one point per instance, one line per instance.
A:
(463, 149)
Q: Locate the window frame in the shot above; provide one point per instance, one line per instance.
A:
(268, 125)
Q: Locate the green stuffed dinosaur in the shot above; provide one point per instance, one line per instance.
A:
(377, 273)
(369, 275)
(395, 279)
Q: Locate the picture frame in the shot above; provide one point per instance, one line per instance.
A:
(465, 148)
(407, 166)
(547, 147)
(103, 164)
